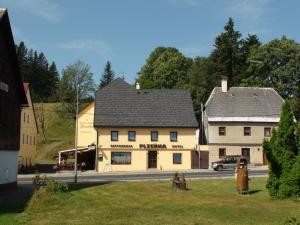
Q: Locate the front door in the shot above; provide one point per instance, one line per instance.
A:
(204, 159)
(152, 159)
(246, 154)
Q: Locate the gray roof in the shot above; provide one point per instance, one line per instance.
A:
(244, 102)
(121, 105)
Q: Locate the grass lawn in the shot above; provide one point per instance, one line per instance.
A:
(59, 127)
(154, 202)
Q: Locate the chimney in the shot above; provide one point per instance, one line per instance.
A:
(224, 80)
(137, 85)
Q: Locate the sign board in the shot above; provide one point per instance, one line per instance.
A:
(153, 146)
(4, 87)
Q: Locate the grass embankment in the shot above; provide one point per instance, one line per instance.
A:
(59, 129)
(155, 202)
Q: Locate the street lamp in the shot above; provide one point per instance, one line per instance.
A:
(76, 131)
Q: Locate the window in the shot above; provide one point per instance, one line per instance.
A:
(30, 140)
(222, 131)
(34, 140)
(247, 131)
(114, 135)
(173, 136)
(24, 118)
(27, 118)
(120, 158)
(222, 152)
(177, 158)
(23, 138)
(267, 132)
(154, 135)
(27, 139)
(131, 135)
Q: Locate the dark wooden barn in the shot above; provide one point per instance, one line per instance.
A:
(12, 97)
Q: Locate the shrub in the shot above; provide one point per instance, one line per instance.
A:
(283, 155)
(49, 184)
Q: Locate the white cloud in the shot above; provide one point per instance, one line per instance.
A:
(187, 2)
(94, 45)
(17, 33)
(251, 13)
(45, 9)
(193, 51)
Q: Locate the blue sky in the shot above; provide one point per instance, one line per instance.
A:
(126, 31)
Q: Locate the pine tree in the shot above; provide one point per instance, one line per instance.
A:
(282, 154)
(226, 53)
(107, 76)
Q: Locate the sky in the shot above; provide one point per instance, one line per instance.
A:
(126, 31)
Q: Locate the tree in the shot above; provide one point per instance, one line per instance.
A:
(76, 75)
(107, 76)
(226, 54)
(283, 155)
(35, 69)
(202, 80)
(165, 68)
(275, 64)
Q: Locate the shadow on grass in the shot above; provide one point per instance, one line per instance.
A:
(83, 185)
(253, 192)
(14, 200)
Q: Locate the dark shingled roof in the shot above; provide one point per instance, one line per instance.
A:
(121, 105)
(244, 102)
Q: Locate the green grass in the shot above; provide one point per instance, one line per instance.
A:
(155, 202)
(60, 128)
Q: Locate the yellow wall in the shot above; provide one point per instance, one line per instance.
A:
(28, 135)
(186, 138)
(86, 131)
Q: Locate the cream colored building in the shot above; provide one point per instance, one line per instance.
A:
(140, 129)
(86, 132)
(236, 121)
(28, 133)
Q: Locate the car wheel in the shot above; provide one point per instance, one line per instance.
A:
(219, 168)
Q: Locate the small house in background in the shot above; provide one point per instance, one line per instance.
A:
(236, 121)
(28, 137)
(12, 98)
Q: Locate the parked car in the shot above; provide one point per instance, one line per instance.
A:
(228, 162)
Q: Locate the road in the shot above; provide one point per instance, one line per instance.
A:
(68, 178)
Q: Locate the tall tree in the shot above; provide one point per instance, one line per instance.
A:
(226, 54)
(76, 75)
(275, 64)
(107, 76)
(282, 153)
(35, 69)
(165, 68)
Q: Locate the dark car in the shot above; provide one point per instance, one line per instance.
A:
(228, 162)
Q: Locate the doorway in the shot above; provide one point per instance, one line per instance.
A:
(204, 159)
(152, 159)
(246, 154)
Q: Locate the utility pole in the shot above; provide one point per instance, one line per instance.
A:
(76, 131)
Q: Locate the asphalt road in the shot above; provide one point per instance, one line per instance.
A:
(144, 176)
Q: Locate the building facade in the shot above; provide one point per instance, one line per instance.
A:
(86, 132)
(236, 121)
(12, 97)
(28, 133)
(140, 129)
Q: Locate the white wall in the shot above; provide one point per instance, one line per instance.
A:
(8, 166)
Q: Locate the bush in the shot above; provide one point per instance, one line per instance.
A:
(49, 184)
(283, 154)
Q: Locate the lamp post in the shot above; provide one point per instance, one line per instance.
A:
(76, 132)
